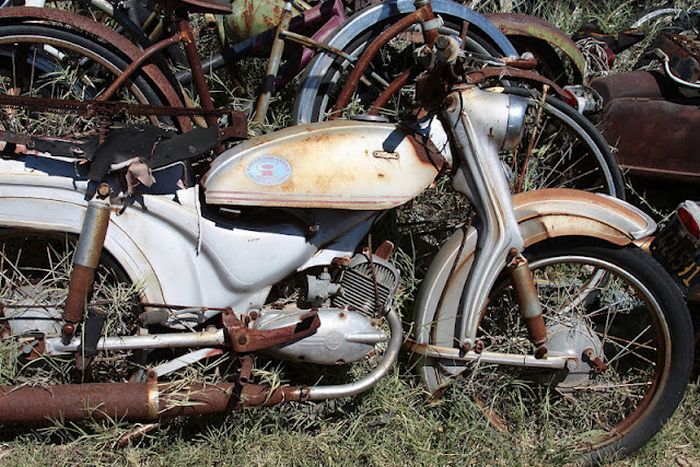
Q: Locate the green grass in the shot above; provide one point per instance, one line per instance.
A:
(391, 425)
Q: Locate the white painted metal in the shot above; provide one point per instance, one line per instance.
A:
(168, 249)
(332, 165)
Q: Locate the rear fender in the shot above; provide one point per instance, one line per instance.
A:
(545, 36)
(541, 214)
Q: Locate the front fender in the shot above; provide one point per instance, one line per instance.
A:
(541, 215)
(363, 21)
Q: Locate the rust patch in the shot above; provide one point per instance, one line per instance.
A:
(244, 339)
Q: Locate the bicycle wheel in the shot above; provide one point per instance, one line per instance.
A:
(51, 62)
(567, 152)
(391, 61)
(629, 339)
(561, 149)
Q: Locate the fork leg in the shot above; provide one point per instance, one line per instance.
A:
(529, 304)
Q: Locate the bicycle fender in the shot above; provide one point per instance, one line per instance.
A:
(515, 25)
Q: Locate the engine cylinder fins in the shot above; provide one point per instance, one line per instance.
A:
(357, 284)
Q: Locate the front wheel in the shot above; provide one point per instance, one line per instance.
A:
(621, 320)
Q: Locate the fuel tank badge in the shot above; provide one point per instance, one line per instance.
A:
(268, 170)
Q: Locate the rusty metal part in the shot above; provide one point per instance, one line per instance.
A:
(136, 64)
(422, 14)
(599, 366)
(200, 81)
(636, 120)
(514, 24)
(394, 87)
(136, 433)
(479, 76)
(529, 303)
(85, 261)
(521, 63)
(253, 17)
(98, 30)
(129, 401)
(253, 395)
(246, 370)
(273, 65)
(103, 190)
(244, 339)
(134, 401)
(384, 250)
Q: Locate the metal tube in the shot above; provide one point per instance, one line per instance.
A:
(154, 341)
(372, 49)
(136, 64)
(316, 393)
(273, 65)
(85, 262)
(128, 401)
(496, 358)
(200, 81)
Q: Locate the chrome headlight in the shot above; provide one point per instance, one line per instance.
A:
(517, 108)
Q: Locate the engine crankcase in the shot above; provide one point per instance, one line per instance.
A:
(344, 336)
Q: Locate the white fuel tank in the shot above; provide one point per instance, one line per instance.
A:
(343, 164)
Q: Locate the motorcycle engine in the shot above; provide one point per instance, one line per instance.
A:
(348, 330)
(357, 284)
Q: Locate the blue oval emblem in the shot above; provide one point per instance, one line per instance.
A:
(268, 170)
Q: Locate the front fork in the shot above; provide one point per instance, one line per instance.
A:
(482, 124)
(528, 302)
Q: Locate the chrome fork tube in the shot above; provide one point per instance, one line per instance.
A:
(481, 124)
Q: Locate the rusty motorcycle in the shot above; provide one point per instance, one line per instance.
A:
(545, 304)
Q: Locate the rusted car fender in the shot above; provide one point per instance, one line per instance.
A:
(541, 214)
(106, 35)
(544, 40)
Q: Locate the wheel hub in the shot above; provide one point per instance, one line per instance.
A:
(577, 341)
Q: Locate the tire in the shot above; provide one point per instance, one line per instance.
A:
(586, 163)
(315, 105)
(645, 347)
(74, 67)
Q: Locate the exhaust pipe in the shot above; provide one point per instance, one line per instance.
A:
(133, 401)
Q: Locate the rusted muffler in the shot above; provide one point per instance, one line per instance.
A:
(132, 401)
